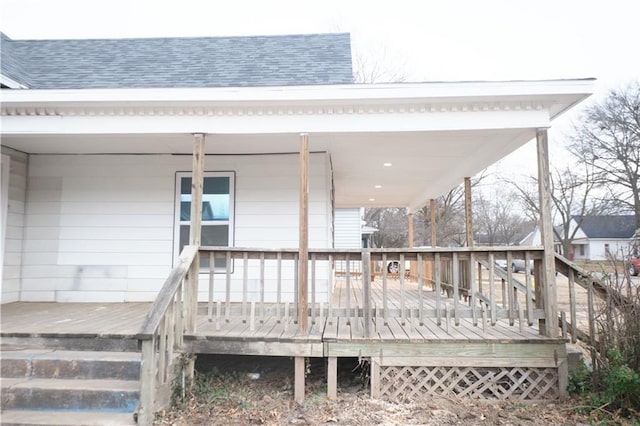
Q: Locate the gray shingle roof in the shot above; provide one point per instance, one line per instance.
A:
(287, 60)
(622, 226)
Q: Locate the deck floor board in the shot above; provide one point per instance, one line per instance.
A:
(126, 319)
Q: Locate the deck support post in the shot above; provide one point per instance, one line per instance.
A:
(548, 284)
(197, 184)
(299, 379)
(332, 377)
(303, 250)
(190, 305)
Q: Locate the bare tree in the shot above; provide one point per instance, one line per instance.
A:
(496, 221)
(574, 194)
(392, 226)
(608, 139)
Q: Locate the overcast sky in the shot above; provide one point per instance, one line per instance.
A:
(421, 40)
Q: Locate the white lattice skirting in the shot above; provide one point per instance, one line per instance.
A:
(517, 383)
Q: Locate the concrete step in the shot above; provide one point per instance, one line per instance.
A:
(68, 394)
(83, 365)
(89, 418)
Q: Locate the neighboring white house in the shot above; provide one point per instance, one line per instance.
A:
(97, 143)
(598, 237)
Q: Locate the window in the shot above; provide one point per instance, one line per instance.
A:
(217, 212)
(581, 250)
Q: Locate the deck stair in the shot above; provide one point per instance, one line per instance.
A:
(50, 386)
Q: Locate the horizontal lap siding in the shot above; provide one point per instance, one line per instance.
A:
(14, 231)
(101, 227)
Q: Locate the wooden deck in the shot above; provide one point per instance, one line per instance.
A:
(272, 333)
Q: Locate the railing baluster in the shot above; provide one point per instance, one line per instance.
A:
(529, 285)
(385, 296)
(212, 268)
(474, 288)
(572, 305)
(366, 292)
(313, 288)
(510, 307)
(262, 313)
(402, 291)
(420, 295)
(455, 279)
(279, 285)
(437, 266)
(348, 285)
(245, 279)
(179, 314)
(330, 290)
(227, 308)
(492, 298)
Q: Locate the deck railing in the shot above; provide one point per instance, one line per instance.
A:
(161, 336)
(456, 284)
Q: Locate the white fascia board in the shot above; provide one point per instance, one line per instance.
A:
(328, 94)
(276, 123)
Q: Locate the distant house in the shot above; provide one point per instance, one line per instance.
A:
(598, 236)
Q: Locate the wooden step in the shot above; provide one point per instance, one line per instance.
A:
(83, 365)
(70, 394)
(50, 386)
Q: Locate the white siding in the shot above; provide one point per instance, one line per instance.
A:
(101, 227)
(618, 248)
(348, 228)
(14, 225)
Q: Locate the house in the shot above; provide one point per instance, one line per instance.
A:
(208, 172)
(599, 237)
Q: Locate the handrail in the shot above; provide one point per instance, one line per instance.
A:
(162, 333)
(601, 290)
(167, 293)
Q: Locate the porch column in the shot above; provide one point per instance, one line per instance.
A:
(303, 258)
(548, 284)
(303, 250)
(468, 213)
(197, 183)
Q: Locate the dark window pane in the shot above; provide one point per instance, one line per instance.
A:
(211, 236)
(215, 198)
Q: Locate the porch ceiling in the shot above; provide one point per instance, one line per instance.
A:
(434, 135)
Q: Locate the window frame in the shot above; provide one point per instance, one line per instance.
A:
(177, 222)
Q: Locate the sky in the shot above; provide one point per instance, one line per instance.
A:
(428, 40)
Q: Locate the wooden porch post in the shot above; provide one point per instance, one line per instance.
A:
(197, 183)
(303, 257)
(468, 213)
(304, 234)
(548, 274)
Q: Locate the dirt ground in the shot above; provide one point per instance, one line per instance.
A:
(259, 391)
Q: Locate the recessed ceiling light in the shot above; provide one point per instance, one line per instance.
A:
(372, 199)
(387, 164)
(378, 186)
